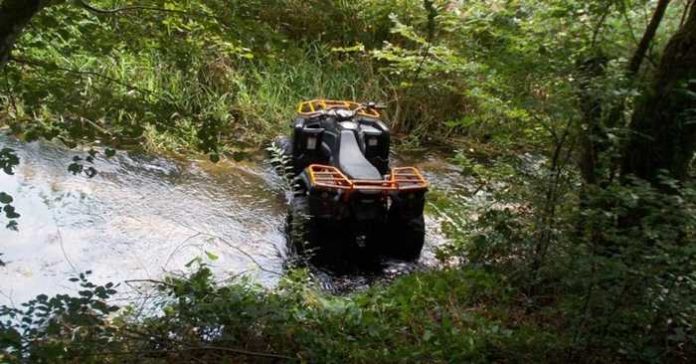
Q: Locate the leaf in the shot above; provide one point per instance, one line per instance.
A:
(192, 261)
(211, 256)
(90, 172)
(5, 198)
(240, 156)
(12, 225)
(75, 168)
(10, 212)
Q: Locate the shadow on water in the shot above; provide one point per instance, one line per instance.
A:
(360, 273)
(143, 216)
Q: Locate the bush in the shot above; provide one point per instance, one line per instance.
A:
(614, 273)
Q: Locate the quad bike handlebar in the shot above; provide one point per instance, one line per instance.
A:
(333, 107)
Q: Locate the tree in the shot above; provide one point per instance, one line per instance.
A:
(596, 165)
(663, 127)
(14, 17)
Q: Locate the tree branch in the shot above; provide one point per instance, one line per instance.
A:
(50, 66)
(600, 24)
(115, 11)
(644, 45)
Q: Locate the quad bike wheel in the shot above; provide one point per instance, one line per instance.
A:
(301, 233)
(314, 240)
(405, 236)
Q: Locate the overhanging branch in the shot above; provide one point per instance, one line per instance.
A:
(646, 40)
(53, 66)
(133, 8)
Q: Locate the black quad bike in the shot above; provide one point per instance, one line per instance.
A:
(347, 202)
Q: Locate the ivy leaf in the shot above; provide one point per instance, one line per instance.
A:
(11, 225)
(90, 172)
(75, 168)
(10, 212)
(5, 198)
(8, 160)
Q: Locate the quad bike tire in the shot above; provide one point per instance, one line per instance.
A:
(405, 236)
(314, 240)
(302, 235)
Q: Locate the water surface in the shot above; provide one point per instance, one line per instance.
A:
(142, 216)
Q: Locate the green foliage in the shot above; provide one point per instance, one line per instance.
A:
(614, 273)
(59, 328)
(8, 160)
(558, 269)
(437, 317)
(638, 249)
(221, 76)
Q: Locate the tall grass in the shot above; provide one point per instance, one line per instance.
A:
(164, 107)
(267, 94)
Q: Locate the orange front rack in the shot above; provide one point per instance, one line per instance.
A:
(400, 179)
(313, 106)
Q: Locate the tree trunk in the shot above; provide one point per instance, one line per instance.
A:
(663, 129)
(595, 165)
(644, 45)
(14, 17)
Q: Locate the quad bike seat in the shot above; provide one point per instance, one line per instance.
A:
(352, 161)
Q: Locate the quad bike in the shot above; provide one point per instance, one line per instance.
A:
(347, 202)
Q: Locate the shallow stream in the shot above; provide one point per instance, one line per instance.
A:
(143, 216)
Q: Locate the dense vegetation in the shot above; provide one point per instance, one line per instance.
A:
(588, 257)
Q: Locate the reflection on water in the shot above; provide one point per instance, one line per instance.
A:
(139, 217)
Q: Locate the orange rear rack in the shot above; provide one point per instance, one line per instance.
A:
(314, 106)
(408, 178)
(400, 179)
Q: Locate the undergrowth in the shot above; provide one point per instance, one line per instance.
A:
(445, 316)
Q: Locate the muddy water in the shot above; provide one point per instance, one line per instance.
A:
(143, 216)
